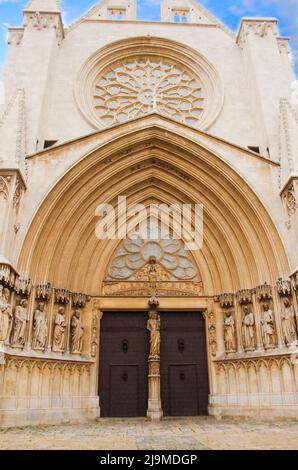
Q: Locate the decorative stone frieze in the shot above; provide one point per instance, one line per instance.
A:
(212, 332)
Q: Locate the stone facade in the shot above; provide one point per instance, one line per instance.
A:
(180, 110)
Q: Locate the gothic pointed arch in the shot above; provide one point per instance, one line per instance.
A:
(148, 164)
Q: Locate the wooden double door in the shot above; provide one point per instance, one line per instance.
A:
(123, 375)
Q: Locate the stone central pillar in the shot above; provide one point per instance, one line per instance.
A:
(153, 325)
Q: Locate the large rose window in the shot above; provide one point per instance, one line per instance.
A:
(139, 86)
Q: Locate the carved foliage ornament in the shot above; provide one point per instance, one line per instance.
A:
(290, 200)
(135, 87)
(212, 333)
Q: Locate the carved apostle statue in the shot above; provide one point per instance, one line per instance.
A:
(153, 325)
(40, 328)
(288, 323)
(5, 314)
(20, 323)
(249, 329)
(59, 330)
(268, 329)
(76, 333)
(229, 332)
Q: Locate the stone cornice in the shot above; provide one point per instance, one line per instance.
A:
(258, 26)
(43, 20)
(150, 117)
(11, 353)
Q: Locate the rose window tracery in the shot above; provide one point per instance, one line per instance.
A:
(139, 86)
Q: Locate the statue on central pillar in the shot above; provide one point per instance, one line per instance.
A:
(153, 326)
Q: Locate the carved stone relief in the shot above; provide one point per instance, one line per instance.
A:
(40, 328)
(6, 316)
(76, 333)
(230, 332)
(20, 326)
(131, 270)
(59, 334)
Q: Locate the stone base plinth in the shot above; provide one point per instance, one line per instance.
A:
(154, 410)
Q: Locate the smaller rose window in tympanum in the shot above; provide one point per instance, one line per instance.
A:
(139, 86)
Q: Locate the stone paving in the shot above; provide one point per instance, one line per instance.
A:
(170, 434)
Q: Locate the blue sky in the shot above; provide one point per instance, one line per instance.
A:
(228, 11)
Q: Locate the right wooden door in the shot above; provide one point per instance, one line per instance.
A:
(184, 368)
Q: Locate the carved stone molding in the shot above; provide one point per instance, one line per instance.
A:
(94, 334)
(256, 362)
(43, 291)
(264, 292)
(290, 200)
(212, 333)
(18, 191)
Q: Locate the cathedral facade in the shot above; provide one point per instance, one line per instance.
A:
(181, 111)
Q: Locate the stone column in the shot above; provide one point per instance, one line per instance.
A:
(258, 317)
(153, 325)
(31, 308)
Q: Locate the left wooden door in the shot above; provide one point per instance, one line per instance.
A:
(123, 372)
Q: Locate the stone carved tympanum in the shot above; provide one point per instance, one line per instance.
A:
(288, 323)
(21, 318)
(249, 329)
(229, 332)
(5, 313)
(40, 327)
(76, 333)
(59, 330)
(268, 328)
